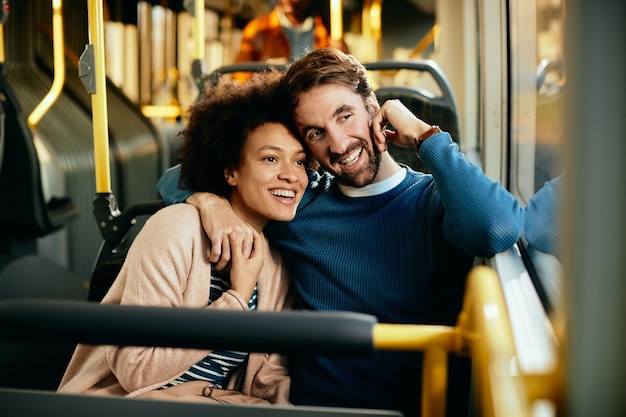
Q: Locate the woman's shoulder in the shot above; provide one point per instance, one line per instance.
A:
(175, 219)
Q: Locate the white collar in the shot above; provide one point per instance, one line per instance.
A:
(374, 188)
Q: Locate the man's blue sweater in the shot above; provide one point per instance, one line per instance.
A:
(401, 256)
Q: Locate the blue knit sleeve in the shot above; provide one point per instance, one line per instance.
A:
(168, 187)
(480, 216)
(541, 217)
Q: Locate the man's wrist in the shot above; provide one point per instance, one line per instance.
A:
(418, 143)
(204, 199)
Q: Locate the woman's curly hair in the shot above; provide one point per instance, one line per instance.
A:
(219, 124)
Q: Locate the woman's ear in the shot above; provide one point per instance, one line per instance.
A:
(229, 176)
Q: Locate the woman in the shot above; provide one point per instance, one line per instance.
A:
(255, 162)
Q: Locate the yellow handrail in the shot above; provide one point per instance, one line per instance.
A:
(99, 99)
(59, 67)
(426, 40)
(483, 332)
(436, 342)
(485, 324)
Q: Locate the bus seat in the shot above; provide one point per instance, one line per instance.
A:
(25, 213)
(426, 109)
(22, 403)
(2, 117)
(118, 233)
(432, 108)
(27, 216)
(121, 230)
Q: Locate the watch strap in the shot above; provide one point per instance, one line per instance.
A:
(433, 129)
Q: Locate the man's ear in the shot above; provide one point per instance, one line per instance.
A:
(373, 104)
(229, 176)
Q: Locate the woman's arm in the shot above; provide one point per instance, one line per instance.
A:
(166, 266)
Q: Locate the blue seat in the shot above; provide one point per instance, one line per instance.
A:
(432, 108)
(27, 216)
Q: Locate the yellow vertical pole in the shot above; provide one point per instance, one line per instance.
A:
(199, 30)
(2, 59)
(434, 381)
(336, 19)
(371, 16)
(376, 12)
(366, 31)
(436, 342)
(99, 99)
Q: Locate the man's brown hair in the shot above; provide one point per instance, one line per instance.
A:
(328, 66)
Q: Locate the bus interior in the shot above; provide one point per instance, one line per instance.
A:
(531, 90)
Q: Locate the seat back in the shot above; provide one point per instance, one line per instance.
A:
(432, 108)
(120, 230)
(23, 272)
(1, 123)
(26, 213)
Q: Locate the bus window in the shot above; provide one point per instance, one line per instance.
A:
(537, 79)
(537, 84)
(550, 84)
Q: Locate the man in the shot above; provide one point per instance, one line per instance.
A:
(290, 30)
(372, 236)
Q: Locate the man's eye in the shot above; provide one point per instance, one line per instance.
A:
(314, 134)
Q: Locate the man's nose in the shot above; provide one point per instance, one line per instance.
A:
(337, 142)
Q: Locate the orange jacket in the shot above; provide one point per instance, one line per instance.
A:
(263, 39)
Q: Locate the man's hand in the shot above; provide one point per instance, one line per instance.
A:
(219, 220)
(408, 128)
(244, 270)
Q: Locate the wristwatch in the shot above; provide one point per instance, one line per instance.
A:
(433, 129)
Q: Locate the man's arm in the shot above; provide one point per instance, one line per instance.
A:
(168, 187)
(542, 217)
(218, 218)
(481, 217)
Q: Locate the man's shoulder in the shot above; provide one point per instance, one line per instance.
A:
(416, 177)
(320, 180)
(319, 184)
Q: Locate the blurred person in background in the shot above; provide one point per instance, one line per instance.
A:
(291, 29)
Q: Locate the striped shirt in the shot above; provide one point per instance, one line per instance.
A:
(216, 367)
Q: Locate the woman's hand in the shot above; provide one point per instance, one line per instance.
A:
(245, 270)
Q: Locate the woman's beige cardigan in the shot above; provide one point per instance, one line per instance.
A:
(167, 265)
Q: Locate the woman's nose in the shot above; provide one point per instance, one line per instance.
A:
(288, 173)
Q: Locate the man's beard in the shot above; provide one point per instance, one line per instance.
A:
(363, 177)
